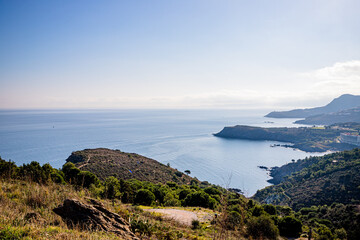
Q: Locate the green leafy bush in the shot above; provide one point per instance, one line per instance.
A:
(144, 197)
(262, 227)
(290, 227)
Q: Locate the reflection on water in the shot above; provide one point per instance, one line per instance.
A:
(182, 138)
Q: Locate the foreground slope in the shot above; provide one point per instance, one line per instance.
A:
(105, 163)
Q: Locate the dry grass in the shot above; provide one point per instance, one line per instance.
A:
(20, 199)
(26, 213)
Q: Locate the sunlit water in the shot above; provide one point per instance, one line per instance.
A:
(182, 138)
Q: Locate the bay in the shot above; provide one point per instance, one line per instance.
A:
(182, 138)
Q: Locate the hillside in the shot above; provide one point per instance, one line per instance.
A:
(349, 115)
(303, 138)
(316, 181)
(35, 203)
(344, 102)
(105, 162)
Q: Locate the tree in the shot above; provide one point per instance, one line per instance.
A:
(262, 228)
(144, 197)
(112, 187)
(290, 227)
(270, 209)
(200, 199)
(187, 172)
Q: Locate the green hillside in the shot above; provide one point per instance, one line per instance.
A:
(29, 194)
(333, 178)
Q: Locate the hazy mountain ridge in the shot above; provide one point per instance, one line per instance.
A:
(344, 102)
(349, 115)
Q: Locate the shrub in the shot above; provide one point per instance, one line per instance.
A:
(340, 233)
(270, 209)
(257, 211)
(212, 191)
(233, 220)
(183, 193)
(144, 197)
(141, 227)
(195, 224)
(262, 228)
(324, 233)
(8, 169)
(112, 186)
(290, 227)
(200, 199)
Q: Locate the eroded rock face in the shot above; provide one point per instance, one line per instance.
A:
(93, 217)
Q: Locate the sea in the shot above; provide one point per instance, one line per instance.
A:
(182, 138)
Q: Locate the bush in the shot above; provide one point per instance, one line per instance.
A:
(195, 224)
(290, 227)
(144, 197)
(257, 211)
(270, 209)
(324, 233)
(141, 227)
(233, 220)
(200, 199)
(340, 234)
(112, 187)
(262, 228)
(8, 169)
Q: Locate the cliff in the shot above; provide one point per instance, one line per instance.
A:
(303, 138)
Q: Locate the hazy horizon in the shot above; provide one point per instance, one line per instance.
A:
(177, 54)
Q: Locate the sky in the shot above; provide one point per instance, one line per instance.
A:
(228, 54)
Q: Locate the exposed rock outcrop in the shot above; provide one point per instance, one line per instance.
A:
(93, 217)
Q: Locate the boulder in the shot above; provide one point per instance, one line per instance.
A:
(93, 217)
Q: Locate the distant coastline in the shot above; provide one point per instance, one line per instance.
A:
(308, 139)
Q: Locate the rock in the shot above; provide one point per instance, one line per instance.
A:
(93, 217)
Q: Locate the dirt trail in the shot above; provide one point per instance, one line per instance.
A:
(182, 216)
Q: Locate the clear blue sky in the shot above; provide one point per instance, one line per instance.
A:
(177, 54)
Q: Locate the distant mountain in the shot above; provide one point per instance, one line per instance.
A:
(350, 115)
(344, 102)
(105, 163)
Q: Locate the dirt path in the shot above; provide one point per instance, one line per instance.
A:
(182, 216)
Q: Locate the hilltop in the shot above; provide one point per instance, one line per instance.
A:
(105, 163)
(344, 102)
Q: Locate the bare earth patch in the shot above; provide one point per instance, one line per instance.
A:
(183, 216)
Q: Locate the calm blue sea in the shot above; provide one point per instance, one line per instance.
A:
(182, 138)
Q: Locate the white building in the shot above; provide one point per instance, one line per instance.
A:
(350, 138)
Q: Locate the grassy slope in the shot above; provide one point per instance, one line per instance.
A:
(105, 162)
(18, 198)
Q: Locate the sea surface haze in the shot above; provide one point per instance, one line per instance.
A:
(182, 138)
